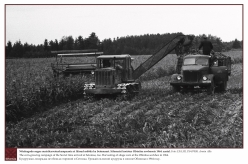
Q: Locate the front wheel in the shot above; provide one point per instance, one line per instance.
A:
(175, 88)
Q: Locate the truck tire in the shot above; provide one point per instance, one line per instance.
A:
(211, 88)
(175, 88)
(223, 86)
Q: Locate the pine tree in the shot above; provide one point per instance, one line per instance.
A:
(46, 48)
(236, 44)
(8, 49)
(92, 41)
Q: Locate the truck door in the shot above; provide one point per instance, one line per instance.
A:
(129, 69)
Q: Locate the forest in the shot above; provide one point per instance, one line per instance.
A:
(134, 45)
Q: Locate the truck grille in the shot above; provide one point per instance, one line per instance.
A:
(104, 78)
(190, 76)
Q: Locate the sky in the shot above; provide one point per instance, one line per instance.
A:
(35, 23)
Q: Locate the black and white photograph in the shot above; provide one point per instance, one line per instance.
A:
(124, 76)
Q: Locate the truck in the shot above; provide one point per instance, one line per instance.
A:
(114, 73)
(205, 72)
(65, 68)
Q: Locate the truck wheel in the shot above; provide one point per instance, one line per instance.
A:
(223, 86)
(211, 88)
(175, 88)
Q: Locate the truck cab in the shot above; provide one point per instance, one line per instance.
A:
(118, 66)
(202, 71)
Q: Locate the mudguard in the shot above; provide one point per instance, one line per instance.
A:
(220, 73)
(210, 77)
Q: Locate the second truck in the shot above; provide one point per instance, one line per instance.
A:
(205, 72)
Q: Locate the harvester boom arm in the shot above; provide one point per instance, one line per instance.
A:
(176, 43)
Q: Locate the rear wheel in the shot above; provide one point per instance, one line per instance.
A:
(223, 85)
(211, 88)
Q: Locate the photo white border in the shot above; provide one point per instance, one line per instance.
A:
(219, 155)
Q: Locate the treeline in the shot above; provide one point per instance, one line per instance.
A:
(133, 45)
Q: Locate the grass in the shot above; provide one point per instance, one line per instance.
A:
(157, 117)
(236, 56)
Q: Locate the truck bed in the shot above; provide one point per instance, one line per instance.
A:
(224, 60)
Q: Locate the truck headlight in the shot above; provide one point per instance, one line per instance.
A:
(204, 78)
(92, 72)
(179, 77)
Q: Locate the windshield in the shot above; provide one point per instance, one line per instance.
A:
(104, 63)
(196, 61)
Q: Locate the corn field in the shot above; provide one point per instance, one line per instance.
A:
(43, 111)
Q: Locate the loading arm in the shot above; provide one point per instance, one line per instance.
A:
(180, 44)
